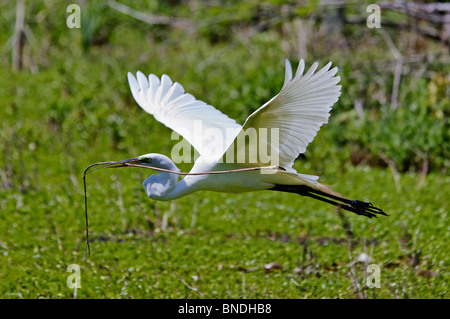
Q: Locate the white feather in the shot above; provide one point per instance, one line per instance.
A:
(298, 111)
(180, 111)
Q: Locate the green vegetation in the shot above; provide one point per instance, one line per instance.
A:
(70, 106)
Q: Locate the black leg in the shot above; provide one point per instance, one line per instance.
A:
(355, 206)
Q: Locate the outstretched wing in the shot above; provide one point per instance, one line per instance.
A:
(207, 129)
(296, 114)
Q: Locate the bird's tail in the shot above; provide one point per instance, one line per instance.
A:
(324, 194)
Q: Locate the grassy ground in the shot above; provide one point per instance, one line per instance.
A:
(217, 245)
(71, 107)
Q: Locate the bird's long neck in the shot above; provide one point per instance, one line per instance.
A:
(182, 188)
(165, 186)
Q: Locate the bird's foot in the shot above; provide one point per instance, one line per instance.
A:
(366, 209)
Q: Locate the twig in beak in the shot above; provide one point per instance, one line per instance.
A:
(86, 216)
(132, 163)
(87, 171)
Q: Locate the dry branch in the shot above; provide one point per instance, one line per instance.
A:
(19, 36)
(152, 19)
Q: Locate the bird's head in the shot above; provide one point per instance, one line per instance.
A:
(143, 160)
(157, 186)
(151, 160)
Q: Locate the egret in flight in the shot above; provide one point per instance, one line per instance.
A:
(295, 114)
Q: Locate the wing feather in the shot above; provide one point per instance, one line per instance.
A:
(180, 111)
(298, 111)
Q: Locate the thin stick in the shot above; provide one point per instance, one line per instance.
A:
(18, 40)
(398, 68)
(86, 171)
(394, 170)
(205, 173)
(151, 19)
(86, 216)
(87, 246)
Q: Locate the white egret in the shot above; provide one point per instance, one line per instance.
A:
(296, 112)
